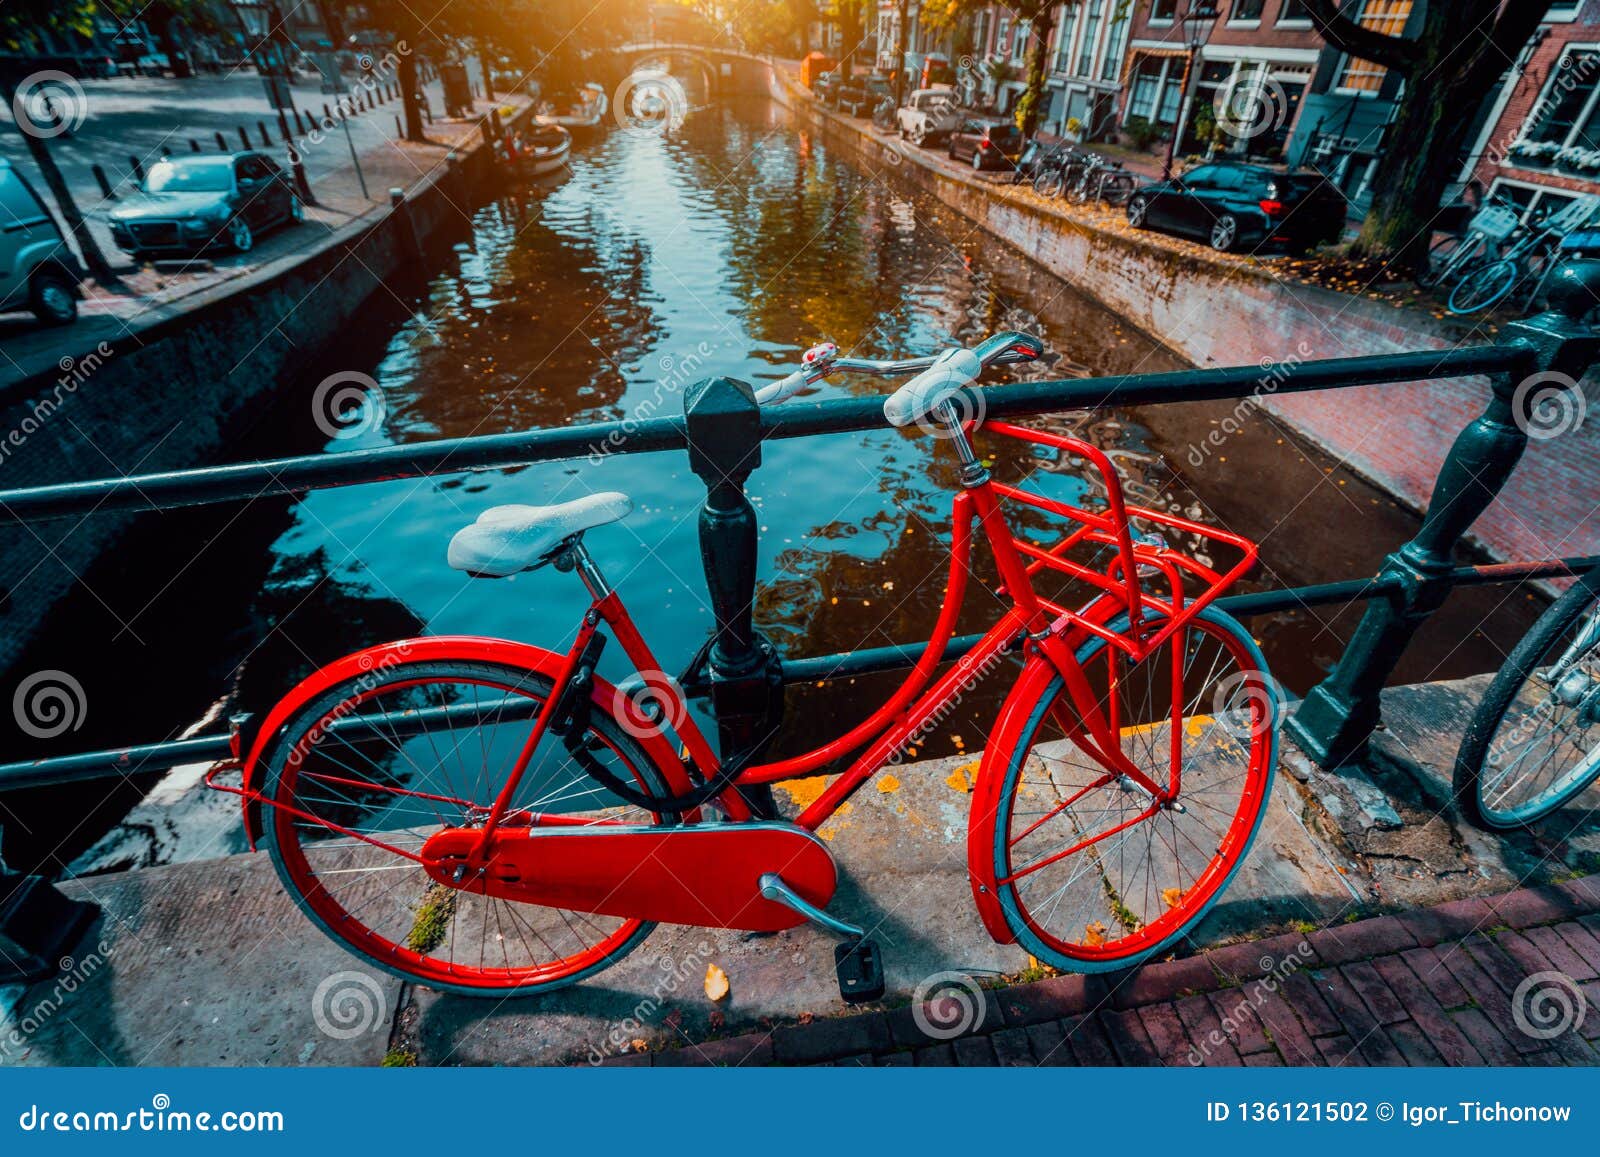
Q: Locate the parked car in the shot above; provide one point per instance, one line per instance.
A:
(986, 142)
(1231, 205)
(191, 203)
(861, 96)
(929, 115)
(38, 272)
(826, 86)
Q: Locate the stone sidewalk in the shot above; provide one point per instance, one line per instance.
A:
(1505, 980)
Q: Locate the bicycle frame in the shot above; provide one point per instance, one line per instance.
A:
(1029, 622)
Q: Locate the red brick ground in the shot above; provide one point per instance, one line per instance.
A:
(1430, 987)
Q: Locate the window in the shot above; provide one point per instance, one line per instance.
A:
(1205, 177)
(1171, 93)
(1163, 10)
(1388, 17)
(1002, 36)
(1246, 10)
(1294, 11)
(1019, 41)
(1564, 10)
(1091, 33)
(1111, 64)
(1069, 24)
(1567, 115)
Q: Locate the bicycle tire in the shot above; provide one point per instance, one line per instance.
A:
(1468, 780)
(1483, 287)
(332, 897)
(1137, 926)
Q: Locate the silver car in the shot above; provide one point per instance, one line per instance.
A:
(191, 203)
(38, 272)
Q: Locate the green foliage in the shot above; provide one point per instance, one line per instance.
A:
(1142, 133)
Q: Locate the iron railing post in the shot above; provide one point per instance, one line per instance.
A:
(1334, 722)
(38, 926)
(743, 673)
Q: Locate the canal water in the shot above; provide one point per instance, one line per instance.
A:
(727, 247)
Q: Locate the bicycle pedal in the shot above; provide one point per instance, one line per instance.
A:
(859, 966)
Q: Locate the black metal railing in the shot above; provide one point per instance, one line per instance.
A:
(722, 429)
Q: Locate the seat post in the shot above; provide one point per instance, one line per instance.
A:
(578, 557)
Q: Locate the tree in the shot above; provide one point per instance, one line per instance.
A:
(847, 15)
(1460, 51)
(1040, 18)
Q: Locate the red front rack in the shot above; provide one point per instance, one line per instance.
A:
(1140, 576)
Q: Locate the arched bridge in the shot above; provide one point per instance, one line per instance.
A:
(724, 70)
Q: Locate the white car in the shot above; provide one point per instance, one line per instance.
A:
(928, 114)
(38, 272)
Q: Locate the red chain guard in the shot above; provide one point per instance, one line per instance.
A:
(704, 874)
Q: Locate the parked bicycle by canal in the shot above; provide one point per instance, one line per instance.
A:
(489, 816)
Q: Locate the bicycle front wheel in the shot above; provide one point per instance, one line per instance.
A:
(364, 774)
(1533, 743)
(1091, 873)
(1484, 286)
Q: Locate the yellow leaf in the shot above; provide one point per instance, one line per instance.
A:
(1172, 897)
(1094, 935)
(716, 982)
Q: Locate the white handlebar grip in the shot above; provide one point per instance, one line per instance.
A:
(918, 397)
(781, 391)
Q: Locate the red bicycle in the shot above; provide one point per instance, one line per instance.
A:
(487, 816)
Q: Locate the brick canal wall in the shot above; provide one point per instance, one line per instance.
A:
(1231, 311)
(170, 396)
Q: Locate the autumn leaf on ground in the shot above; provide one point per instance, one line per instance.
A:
(1172, 897)
(716, 982)
(1094, 935)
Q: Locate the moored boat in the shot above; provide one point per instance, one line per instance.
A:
(544, 149)
(579, 112)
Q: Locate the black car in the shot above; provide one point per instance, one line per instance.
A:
(191, 203)
(826, 86)
(986, 142)
(860, 97)
(1232, 205)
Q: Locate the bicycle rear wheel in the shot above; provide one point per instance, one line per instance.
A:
(1090, 874)
(365, 773)
(1484, 286)
(1534, 741)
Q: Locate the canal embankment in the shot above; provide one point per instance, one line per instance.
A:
(1222, 310)
(174, 387)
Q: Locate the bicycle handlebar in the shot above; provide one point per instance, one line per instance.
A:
(1007, 348)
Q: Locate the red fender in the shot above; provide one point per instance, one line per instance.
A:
(1037, 674)
(431, 649)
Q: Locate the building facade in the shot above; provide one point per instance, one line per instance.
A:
(1253, 65)
(1539, 144)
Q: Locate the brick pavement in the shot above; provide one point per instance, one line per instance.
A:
(1432, 986)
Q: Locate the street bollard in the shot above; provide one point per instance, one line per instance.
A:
(299, 125)
(399, 129)
(743, 674)
(266, 140)
(137, 166)
(38, 926)
(100, 179)
(244, 136)
(327, 116)
(194, 145)
(1334, 722)
(406, 231)
(222, 143)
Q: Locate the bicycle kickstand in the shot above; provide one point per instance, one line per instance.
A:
(856, 962)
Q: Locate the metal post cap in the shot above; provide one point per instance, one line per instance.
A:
(1575, 289)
